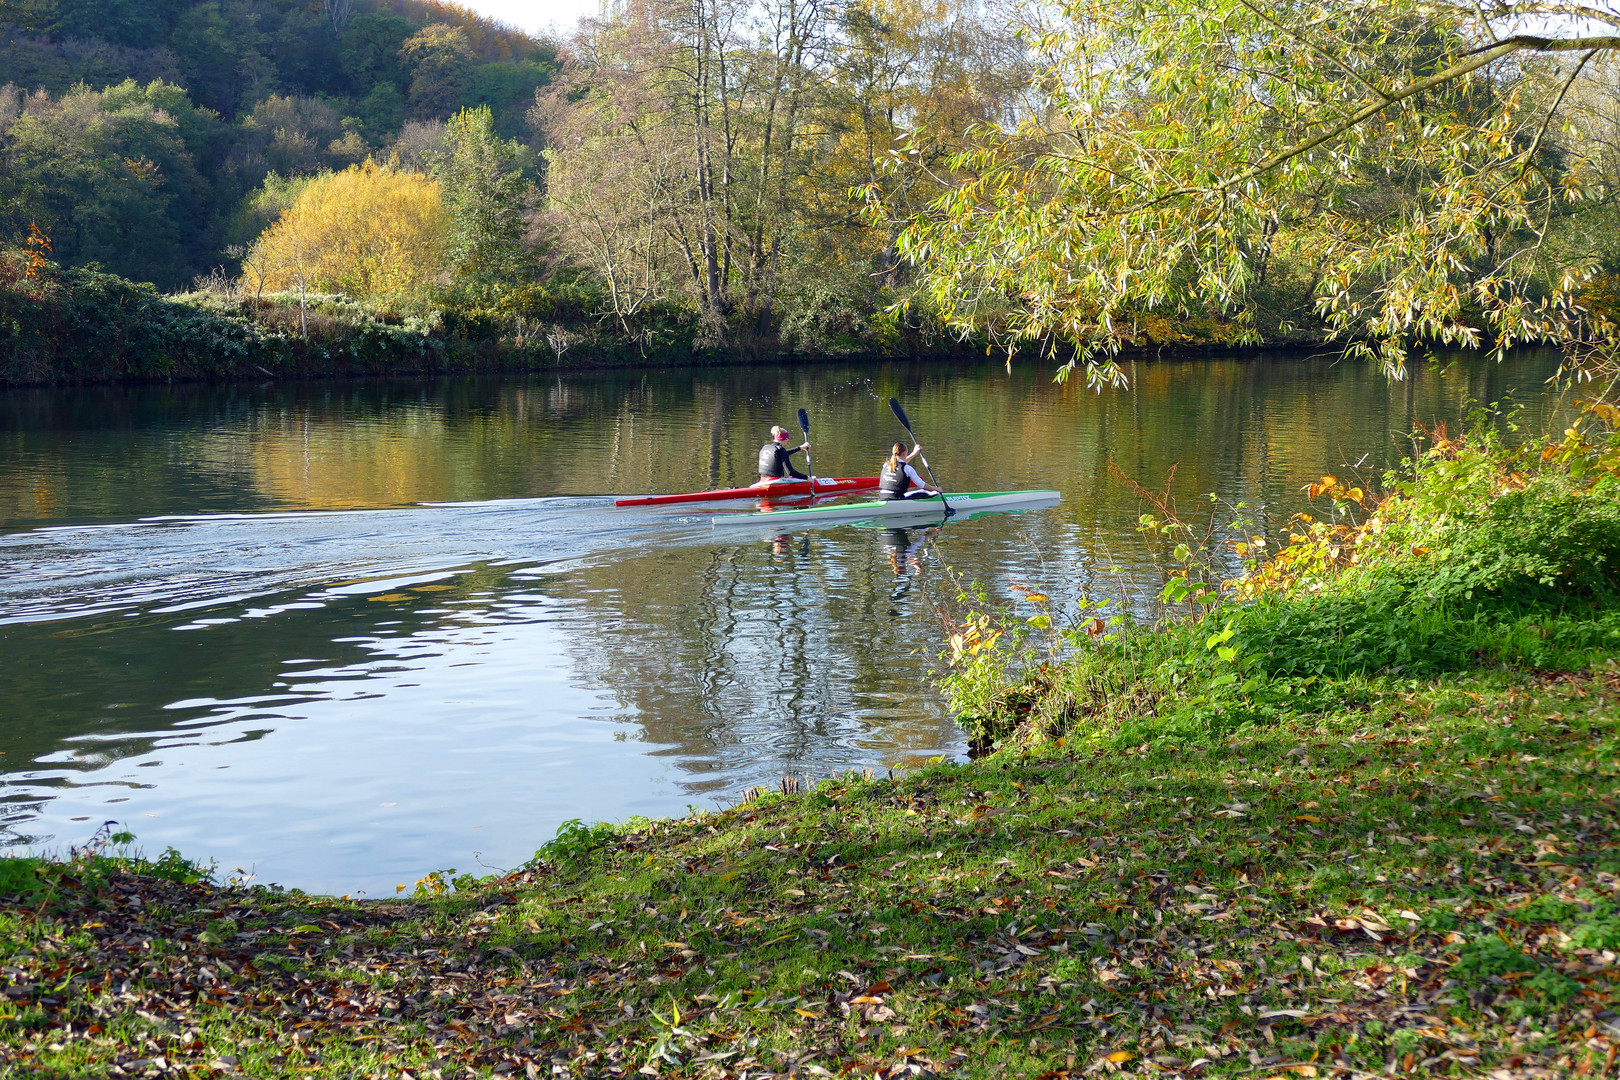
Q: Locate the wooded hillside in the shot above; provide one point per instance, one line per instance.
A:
(133, 132)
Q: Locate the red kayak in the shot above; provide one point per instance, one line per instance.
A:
(776, 489)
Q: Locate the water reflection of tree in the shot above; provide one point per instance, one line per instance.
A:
(387, 443)
(725, 654)
(775, 663)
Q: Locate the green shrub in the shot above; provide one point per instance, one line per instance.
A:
(1337, 636)
(1552, 985)
(1597, 929)
(1439, 921)
(1489, 957)
(573, 845)
(1546, 909)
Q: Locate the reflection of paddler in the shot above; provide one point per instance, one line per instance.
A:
(781, 544)
(902, 549)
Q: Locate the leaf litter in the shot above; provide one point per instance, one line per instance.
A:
(1422, 883)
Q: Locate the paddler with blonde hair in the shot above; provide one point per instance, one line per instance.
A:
(898, 480)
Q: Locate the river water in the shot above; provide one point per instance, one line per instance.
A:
(341, 634)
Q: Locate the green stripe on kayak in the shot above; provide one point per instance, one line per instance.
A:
(959, 501)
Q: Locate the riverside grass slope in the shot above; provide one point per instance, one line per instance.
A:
(1419, 881)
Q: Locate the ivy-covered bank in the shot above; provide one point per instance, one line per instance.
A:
(81, 325)
(1354, 815)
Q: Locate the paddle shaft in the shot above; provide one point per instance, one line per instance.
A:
(905, 422)
(804, 426)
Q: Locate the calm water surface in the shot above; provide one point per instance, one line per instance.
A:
(342, 634)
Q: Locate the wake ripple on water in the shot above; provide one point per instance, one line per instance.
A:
(347, 742)
(166, 565)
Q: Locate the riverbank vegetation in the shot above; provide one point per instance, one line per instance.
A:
(1473, 553)
(1351, 812)
(889, 177)
(83, 325)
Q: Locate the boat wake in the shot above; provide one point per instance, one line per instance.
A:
(165, 565)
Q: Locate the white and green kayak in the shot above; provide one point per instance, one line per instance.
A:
(932, 508)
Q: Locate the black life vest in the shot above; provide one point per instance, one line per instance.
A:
(893, 483)
(770, 462)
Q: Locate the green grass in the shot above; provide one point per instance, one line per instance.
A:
(1418, 880)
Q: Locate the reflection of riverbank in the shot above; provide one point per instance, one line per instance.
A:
(71, 455)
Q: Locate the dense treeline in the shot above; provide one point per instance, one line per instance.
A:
(685, 181)
(377, 61)
(850, 177)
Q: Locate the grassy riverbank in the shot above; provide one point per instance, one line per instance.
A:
(67, 326)
(1420, 880)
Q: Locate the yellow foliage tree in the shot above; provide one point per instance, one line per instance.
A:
(370, 232)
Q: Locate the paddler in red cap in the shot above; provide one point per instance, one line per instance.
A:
(776, 458)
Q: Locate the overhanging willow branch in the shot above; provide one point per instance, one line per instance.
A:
(1474, 62)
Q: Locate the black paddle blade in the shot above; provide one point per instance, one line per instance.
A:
(900, 414)
(804, 422)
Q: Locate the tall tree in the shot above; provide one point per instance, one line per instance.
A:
(370, 232)
(108, 175)
(1397, 148)
(712, 99)
(720, 139)
(916, 76)
(338, 11)
(610, 199)
(371, 44)
(223, 52)
(440, 61)
(484, 189)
